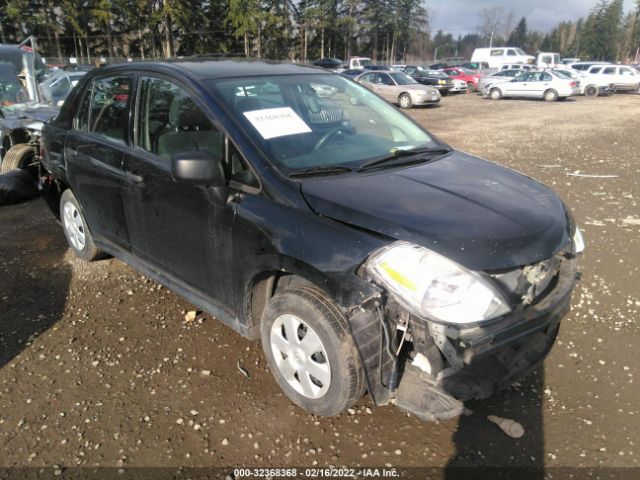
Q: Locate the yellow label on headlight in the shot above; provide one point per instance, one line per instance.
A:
(398, 277)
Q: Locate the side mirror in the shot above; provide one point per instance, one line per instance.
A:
(200, 168)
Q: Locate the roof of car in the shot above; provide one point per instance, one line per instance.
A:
(208, 68)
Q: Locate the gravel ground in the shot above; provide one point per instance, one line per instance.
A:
(99, 368)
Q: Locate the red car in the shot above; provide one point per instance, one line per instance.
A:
(469, 76)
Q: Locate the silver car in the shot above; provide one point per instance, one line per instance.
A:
(549, 85)
(497, 77)
(399, 88)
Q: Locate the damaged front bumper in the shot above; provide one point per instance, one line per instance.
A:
(440, 366)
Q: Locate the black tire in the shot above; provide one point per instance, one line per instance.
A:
(317, 311)
(404, 101)
(591, 91)
(550, 95)
(88, 250)
(471, 87)
(495, 94)
(19, 157)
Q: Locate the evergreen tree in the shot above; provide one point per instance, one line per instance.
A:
(518, 37)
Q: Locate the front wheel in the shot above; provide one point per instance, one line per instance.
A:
(75, 228)
(495, 94)
(404, 101)
(310, 351)
(550, 96)
(471, 87)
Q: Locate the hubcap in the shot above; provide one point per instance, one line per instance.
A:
(73, 226)
(300, 356)
(404, 101)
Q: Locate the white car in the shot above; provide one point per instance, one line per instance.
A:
(517, 66)
(549, 85)
(459, 86)
(620, 77)
(589, 85)
(498, 77)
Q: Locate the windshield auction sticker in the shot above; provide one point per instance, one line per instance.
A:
(277, 122)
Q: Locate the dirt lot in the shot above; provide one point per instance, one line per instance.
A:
(98, 368)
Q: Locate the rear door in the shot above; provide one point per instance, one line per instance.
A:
(94, 151)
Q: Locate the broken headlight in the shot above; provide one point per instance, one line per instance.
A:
(434, 287)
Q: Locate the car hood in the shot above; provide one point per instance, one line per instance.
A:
(418, 86)
(481, 215)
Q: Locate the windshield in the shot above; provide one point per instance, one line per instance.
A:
(563, 74)
(433, 73)
(402, 78)
(309, 121)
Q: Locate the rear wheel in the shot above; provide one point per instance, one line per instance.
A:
(404, 101)
(310, 351)
(495, 94)
(550, 96)
(75, 228)
(19, 157)
(591, 91)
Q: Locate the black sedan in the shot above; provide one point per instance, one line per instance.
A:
(427, 76)
(364, 253)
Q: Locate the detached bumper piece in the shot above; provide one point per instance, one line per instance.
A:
(440, 366)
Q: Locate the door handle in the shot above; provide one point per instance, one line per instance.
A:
(132, 177)
(72, 152)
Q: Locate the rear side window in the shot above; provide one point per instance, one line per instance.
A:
(497, 53)
(595, 70)
(104, 108)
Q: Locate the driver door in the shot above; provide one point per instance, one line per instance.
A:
(183, 230)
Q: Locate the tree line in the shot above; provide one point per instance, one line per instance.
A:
(389, 31)
(275, 29)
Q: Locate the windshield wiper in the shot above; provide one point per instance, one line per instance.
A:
(398, 156)
(321, 170)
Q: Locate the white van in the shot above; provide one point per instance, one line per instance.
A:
(496, 57)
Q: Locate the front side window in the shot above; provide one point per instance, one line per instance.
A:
(512, 53)
(609, 71)
(348, 125)
(108, 109)
(626, 71)
(169, 121)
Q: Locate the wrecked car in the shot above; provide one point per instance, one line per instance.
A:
(22, 110)
(366, 254)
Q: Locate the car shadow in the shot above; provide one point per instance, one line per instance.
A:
(483, 450)
(34, 278)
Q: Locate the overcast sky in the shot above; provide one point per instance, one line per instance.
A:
(461, 16)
